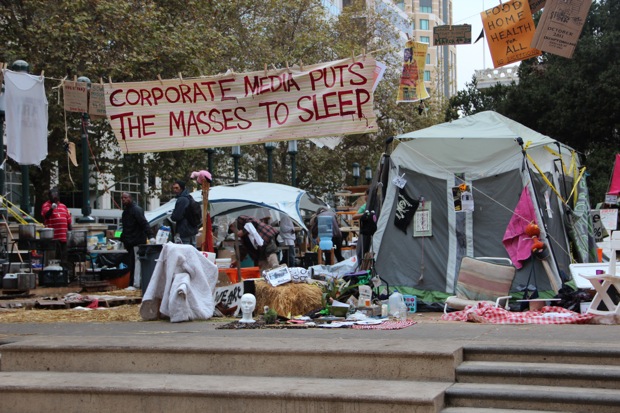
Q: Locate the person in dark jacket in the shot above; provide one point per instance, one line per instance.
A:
(265, 255)
(184, 233)
(136, 230)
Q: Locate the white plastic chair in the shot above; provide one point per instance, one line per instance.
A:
(602, 282)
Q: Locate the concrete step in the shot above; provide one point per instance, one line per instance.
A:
(260, 356)
(543, 374)
(69, 392)
(513, 396)
(481, 410)
(603, 356)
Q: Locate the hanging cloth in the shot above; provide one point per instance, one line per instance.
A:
(614, 185)
(26, 118)
(518, 245)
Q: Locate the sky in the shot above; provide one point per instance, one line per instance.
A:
(473, 56)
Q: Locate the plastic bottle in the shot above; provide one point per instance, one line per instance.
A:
(396, 303)
(162, 235)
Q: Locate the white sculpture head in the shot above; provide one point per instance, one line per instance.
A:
(248, 303)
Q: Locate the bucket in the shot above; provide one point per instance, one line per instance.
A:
(46, 233)
(210, 256)
(27, 231)
(77, 239)
(223, 262)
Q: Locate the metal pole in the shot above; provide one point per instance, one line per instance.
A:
(210, 152)
(269, 164)
(236, 159)
(293, 170)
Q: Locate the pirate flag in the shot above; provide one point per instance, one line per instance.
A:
(405, 209)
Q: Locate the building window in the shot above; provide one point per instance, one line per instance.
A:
(427, 75)
(428, 59)
(400, 4)
(426, 6)
(424, 24)
(425, 39)
(413, 26)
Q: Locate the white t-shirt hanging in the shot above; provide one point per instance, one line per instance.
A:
(26, 118)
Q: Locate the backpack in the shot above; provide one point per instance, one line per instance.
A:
(193, 212)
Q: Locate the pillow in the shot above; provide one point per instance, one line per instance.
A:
(482, 280)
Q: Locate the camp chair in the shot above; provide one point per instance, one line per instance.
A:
(481, 280)
(603, 283)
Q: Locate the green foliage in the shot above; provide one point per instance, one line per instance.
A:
(129, 40)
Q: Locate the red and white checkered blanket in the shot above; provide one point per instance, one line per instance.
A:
(487, 313)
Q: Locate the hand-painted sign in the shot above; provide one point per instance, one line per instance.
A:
(560, 26)
(444, 35)
(75, 96)
(412, 87)
(509, 29)
(328, 99)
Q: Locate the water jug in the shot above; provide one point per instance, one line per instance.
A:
(325, 232)
(396, 304)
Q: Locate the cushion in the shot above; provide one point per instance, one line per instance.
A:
(482, 280)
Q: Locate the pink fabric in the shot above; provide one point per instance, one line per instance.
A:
(487, 313)
(614, 187)
(517, 244)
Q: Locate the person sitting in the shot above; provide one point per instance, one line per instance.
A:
(258, 240)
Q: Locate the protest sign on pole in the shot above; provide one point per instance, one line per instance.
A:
(411, 87)
(328, 99)
(509, 29)
(75, 96)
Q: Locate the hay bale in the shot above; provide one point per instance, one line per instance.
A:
(289, 298)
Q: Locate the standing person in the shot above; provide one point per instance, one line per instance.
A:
(56, 215)
(185, 232)
(336, 234)
(259, 241)
(287, 232)
(136, 230)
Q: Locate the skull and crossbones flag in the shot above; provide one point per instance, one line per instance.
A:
(405, 209)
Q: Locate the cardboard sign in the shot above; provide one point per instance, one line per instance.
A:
(412, 87)
(229, 296)
(609, 218)
(443, 35)
(422, 221)
(75, 96)
(326, 99)
(560, 26)
(96, 103)
(509, 29)
(536, 5)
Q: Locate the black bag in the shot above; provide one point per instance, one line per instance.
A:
(193, 213)
(368, 223)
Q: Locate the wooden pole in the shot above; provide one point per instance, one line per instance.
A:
(238, 259)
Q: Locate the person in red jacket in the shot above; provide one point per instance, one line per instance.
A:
(56, 215)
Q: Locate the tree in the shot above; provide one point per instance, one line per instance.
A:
(129, 40)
